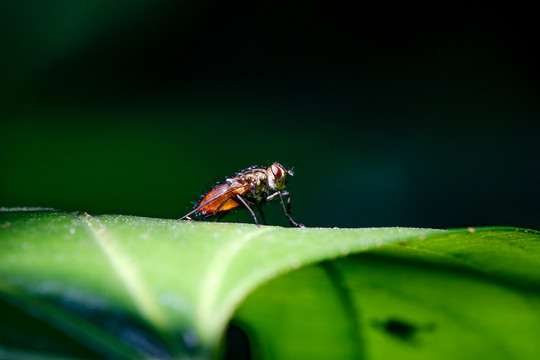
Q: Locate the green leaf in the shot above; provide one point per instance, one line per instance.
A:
(127, 287)
(453, 295)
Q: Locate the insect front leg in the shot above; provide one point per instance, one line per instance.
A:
(287, 208)
(251, 211)
(273, 196)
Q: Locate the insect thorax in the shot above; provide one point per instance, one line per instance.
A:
(258, 183)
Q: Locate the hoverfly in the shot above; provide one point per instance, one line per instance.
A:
(250, 187)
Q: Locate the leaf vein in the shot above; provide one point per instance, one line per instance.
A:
(126, 271)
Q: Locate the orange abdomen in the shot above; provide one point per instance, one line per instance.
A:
(219, 195)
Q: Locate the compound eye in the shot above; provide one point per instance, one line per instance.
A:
(276, 171)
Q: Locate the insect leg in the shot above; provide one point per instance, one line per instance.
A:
(221, 205)
(262, 214)
(220, 216)
(287, 208)
(188, 214)
(251, 211)
(216, 212)
(273, 196)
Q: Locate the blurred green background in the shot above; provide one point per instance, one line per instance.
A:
(391, 113)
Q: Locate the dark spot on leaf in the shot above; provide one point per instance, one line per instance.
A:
(402, 330)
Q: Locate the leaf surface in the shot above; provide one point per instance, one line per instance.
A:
(454, 295)
(128, 287)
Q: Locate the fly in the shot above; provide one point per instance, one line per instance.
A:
(251, 187)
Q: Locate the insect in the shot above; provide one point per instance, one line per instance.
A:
(250, 187)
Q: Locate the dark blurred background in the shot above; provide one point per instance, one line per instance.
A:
(391, 113)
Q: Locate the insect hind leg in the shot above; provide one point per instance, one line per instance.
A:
(219, 216)
(215, 213)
